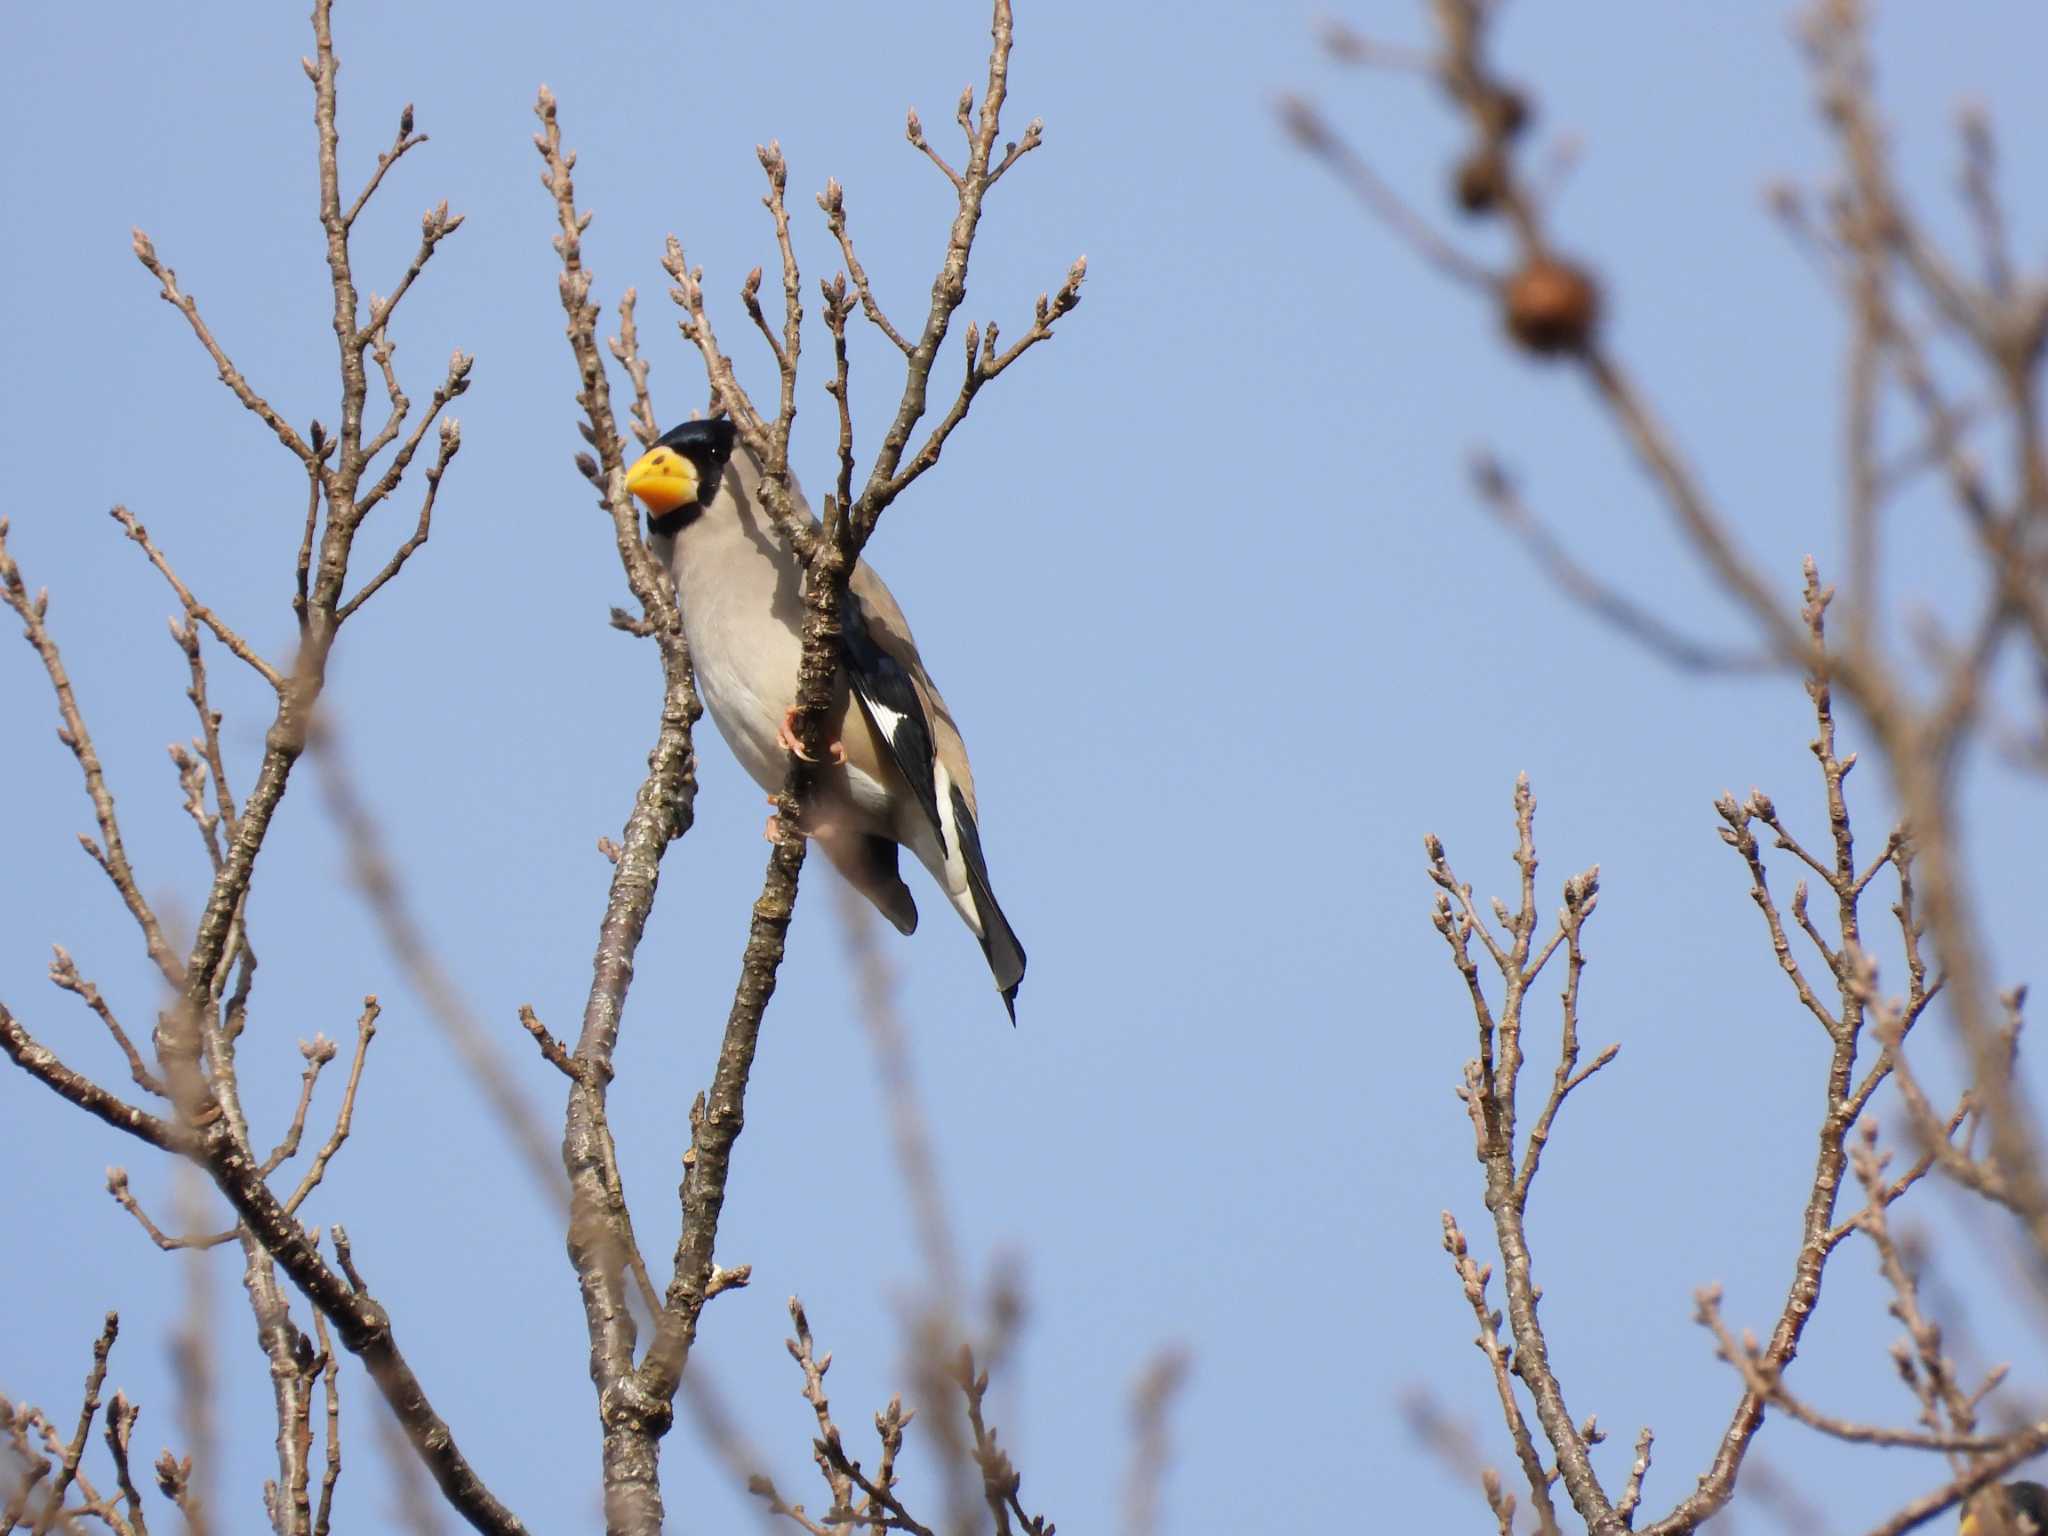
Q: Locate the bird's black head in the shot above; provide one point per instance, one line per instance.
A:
(680, 472)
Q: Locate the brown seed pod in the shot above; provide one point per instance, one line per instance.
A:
(1550, 306)
(1480, 181)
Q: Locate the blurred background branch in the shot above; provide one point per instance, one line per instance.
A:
(1921, 713)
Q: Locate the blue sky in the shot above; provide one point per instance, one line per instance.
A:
(1206, 588)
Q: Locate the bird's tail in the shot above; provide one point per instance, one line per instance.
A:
(999, 943)
(998, 938)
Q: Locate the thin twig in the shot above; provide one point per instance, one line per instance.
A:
(197, 610)
(230, 375)
(1609, 604)
(64, 973)
(833, 201)
(67, 1466)
(1768, 1384)
(110, 853)
(1473, 1276)
(121, 1417)
(344, 1118)
(451, 444)
(552, 1050)
(626, 348)
(1313, 133)
(331, 1474)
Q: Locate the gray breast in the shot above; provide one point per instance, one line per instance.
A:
(742, 611)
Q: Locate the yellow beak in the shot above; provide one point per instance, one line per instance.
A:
(663, 479)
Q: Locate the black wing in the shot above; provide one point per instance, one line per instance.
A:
(998, 939)
(890, 697)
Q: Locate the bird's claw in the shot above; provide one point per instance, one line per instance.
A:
(808, 824)
(786, 735)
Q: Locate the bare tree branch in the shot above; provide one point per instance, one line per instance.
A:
(601, 1242)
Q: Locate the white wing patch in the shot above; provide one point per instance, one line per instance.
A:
(956, 852)
(890, 720)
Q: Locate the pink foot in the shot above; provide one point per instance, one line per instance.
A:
(772, 829)
(787, 736)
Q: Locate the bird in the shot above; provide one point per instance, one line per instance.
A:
(898, 775)
(2013, 1509)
